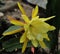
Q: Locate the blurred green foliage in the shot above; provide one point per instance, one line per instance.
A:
(13, 44)
(53, 8)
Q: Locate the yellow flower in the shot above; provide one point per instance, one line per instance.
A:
(35, 29)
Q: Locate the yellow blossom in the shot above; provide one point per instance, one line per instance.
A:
(35, 29)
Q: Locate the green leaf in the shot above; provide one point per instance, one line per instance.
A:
(12, 30)
(13, 44)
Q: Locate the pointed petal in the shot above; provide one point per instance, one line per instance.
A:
(35, 12)
(52, 28)
(35, 17)
(45, 19)
(12, 32)
(26, 19)
(41, 26)
(35, 43)
(24, 45)
(21, 8)
(15, 22)
(23, 37)
(42, 44)
(30, 36)
(45, 35)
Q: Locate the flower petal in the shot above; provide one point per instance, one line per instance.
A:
(35, 43)
(24, 45)
(12, 32)
(15, 22)
(45, 35)
(30, 36)
(39, 37)
(42, 44)
(35, 12)
(26, 19)
(51, 28)
(35, 17)
(45, 19)
(21, 8)
(23, 37)
(40, 26)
